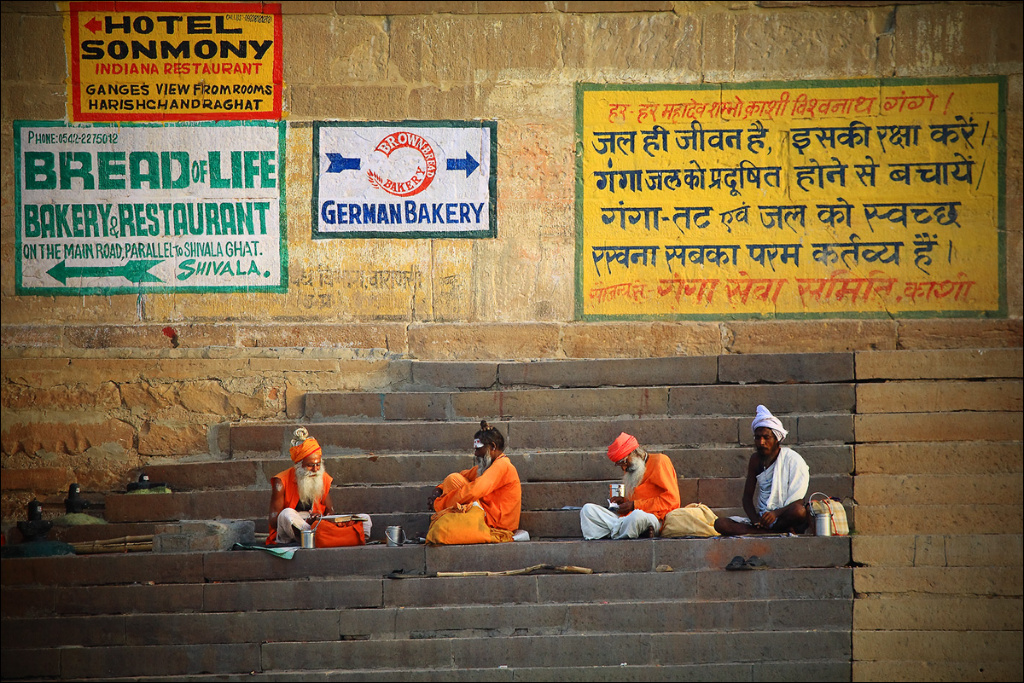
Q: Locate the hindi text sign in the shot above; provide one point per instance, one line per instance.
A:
(843, 198)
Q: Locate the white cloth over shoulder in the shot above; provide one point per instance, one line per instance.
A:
(790, 482)
(790, 478)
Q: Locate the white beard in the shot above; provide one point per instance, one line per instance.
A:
(634, 475)
(482, 463)
(311, 486)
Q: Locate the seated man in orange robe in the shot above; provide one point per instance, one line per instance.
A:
(492, 484)
(302, 494)
(652, 491)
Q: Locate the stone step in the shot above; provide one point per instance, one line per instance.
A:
(667, 613)
(811, 669)
(439, 656)
(242, 504)
(542, 524)
(535, 465)
(593, 649)
(198, 574)
(270, 440)
(731, 400)
(628, 372)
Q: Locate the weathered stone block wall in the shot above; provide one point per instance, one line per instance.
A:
(517, 63)
(93, 387)
(938, 461)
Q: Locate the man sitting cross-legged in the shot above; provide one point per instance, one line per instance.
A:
(776, 486)
(492, 485)
(302, 494)
(652, 491)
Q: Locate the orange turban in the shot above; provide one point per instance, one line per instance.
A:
(623, 445)
(304, 450)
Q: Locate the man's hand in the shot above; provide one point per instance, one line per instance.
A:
(624, 506)
(767, 519)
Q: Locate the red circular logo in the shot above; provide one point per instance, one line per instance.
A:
(422, 176)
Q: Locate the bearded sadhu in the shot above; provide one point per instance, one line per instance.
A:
(652, 491)
(491, 486)
(302, 494)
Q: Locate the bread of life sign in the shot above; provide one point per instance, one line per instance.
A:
(130, 208)
(820, 199)
(407, 179)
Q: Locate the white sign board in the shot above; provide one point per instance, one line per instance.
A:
(128, 208)
(405, 179)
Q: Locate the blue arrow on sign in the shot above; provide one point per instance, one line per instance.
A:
(340, 163)
(469, 164)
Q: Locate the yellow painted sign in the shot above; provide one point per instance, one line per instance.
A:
(142, 61)
(841, 198)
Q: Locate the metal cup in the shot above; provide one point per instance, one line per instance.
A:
(308, 538)
(395, 536)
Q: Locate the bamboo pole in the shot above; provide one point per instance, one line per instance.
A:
(123, 544)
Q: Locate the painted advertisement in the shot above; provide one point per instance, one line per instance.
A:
(859, 198)
(405, 179)
(104, 209)
(171, 61)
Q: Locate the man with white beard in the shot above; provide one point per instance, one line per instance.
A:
(302, 494)
(652, 491)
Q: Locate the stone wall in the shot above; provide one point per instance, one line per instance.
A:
(517, 63)
(939, 519)
(95, 387)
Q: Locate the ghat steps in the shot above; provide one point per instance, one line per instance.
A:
(332, 614)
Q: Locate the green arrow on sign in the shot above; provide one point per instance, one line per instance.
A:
(133, 271)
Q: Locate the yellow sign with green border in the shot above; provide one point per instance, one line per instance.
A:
(866, 198)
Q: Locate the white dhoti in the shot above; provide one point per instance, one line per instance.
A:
(289, 520)
(600, 522)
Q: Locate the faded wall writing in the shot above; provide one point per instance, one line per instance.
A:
(788, 199)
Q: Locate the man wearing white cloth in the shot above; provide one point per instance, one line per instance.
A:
(776, 487)
(652, 491)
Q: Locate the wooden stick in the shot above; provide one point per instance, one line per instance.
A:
(568, 569)
(90, 548)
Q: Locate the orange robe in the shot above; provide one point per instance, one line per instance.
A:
(291, 496)
(658, 491)
(498, 491)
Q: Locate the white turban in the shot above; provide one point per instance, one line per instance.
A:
(764, 418)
